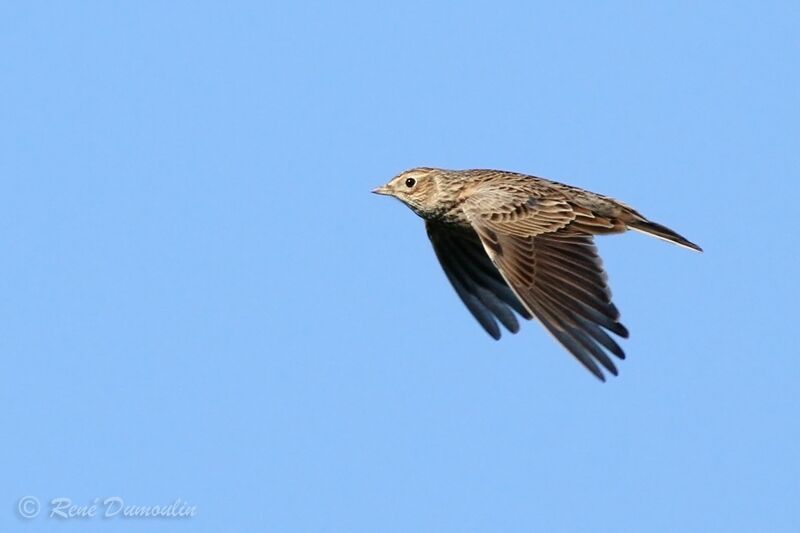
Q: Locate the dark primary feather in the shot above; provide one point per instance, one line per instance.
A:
(476, 280)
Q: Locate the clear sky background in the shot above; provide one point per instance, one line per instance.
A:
(201, 300)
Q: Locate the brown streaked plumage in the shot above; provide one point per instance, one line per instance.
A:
(511, 242)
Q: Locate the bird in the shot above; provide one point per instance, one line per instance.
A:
(514, 243)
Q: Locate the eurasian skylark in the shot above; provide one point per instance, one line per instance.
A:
(510, 242)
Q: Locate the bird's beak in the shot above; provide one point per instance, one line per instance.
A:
(383, 189)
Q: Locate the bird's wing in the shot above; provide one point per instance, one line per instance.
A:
(476, 280)
(544, 250)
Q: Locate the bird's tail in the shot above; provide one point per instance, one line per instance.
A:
(662, 232)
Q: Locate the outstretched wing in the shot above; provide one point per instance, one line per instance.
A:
(476, 280)
(544, 250)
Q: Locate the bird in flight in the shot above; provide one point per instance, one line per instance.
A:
(511, 242)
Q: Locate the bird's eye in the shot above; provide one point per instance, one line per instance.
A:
(410, 182)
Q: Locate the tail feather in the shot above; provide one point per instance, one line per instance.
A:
(662, 232)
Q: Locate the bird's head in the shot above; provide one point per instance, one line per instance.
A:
(419, 188)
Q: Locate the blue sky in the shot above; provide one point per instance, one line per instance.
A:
(201, 300)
